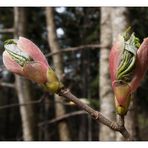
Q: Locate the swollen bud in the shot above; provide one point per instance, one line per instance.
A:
(121, 110)
(124, 67)
(24, 58)
(53, 84)
(122, 97)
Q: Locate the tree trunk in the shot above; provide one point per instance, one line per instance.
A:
(58, 63)
(119, 19)
(120, 22)
(29, 125)
(106, 94)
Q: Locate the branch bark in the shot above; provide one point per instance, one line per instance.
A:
(96, 115)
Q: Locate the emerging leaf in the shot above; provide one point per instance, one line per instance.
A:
(23, 57)
(128, 63)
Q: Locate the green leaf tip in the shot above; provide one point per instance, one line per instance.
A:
(10, 41)
(128, 59)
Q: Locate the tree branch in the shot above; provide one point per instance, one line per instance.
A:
(11, 85)
(97, 115)
(120, 121)
(23, 104)
(63, 117)
(92, 46)
(7, 30)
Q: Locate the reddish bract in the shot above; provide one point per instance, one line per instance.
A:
(35, 70)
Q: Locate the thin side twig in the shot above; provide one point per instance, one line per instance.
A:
(63, 117)
(92, 46)
(23, 104)
(7, 30)
(4, 84)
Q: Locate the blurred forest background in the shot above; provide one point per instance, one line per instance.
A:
(76, 42)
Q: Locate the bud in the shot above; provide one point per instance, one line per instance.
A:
(127, 63)
(122, 97)
(24, 58)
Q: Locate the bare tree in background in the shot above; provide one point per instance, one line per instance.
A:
(105, 89)
(28, 116)
(58, 63)
(120, 22)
